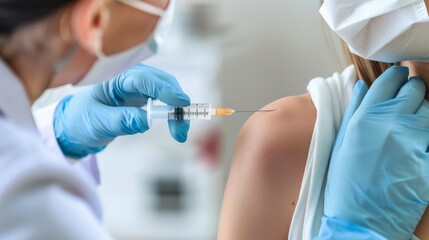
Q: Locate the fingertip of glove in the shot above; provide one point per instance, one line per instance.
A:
(182, 139)
(360, 88)
(417, 83)
(179, 130)
(416, 78)
(181, 136)
(404, 70)
(361, 85)
(183, 100)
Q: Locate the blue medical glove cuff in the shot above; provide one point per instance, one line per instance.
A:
(334, 228)
(69, 146)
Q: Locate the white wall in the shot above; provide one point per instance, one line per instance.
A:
(273, 49)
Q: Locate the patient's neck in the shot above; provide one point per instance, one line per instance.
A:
(420, 69)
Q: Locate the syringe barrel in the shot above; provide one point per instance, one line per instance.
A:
(194, 111)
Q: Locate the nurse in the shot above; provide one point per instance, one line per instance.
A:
(47, 43)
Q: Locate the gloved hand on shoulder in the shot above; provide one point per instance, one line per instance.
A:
(378, 180)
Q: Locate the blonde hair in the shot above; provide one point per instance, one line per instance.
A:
(367, 70)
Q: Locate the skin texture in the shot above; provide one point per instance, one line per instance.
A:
(91, 24)
(267, 168)
(266, 171)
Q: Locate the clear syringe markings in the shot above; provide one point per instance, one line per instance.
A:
(192, 112)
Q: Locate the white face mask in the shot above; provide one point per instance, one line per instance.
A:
(383, 30)
(107, 67)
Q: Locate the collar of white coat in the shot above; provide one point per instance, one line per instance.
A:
(14, 102)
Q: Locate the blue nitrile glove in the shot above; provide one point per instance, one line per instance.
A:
(85, 123)
(378, 180)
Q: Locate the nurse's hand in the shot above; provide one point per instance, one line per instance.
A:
(85, 123)
(378, 181)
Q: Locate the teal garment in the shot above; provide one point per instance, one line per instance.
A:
(85, 123)
(378, 176)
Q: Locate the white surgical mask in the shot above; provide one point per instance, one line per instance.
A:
(107, 67)
(381, 30)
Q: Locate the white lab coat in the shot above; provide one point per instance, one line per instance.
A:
(42, 195)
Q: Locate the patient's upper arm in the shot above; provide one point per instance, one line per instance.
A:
(266, 172)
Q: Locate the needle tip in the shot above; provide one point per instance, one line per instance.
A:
(255, 111)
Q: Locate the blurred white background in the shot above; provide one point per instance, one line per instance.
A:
(241, 54)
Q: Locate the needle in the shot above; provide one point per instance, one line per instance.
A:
(230, 111)
(263, 110)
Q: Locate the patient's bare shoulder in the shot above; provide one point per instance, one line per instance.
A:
(268, 166)
(285, 133)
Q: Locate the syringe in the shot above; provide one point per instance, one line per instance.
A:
(194, 111)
